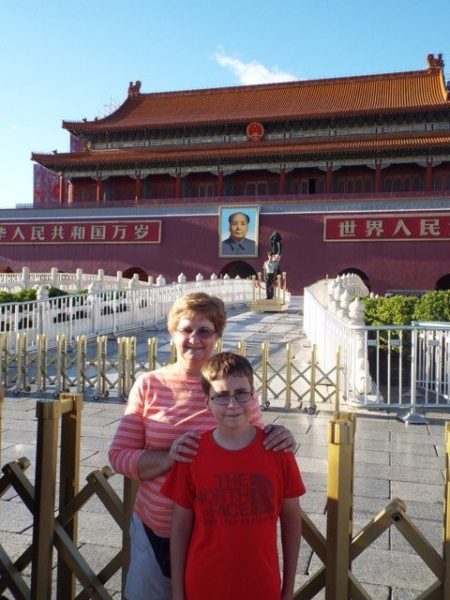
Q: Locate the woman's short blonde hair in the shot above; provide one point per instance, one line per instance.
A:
(198, 304)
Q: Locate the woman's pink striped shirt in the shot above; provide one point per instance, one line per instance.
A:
(162, 405)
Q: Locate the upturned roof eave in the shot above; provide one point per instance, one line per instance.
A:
(92, 127)
(117, 159)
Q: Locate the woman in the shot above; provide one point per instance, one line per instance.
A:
(165, 415)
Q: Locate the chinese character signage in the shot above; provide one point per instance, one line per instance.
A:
(387, 228)
(81, 232)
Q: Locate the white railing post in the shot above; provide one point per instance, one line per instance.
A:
(26, 278)
(79, 279)
(54, 277)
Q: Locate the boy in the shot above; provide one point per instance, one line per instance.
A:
(228, 501)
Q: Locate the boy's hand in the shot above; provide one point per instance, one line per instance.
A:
(278, 437)
(184, 449)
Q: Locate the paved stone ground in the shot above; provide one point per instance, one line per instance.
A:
(392, 460)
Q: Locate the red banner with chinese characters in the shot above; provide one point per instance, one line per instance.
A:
(387, 228)
(81, 232)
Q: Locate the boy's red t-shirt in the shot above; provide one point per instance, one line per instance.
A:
(237, 498)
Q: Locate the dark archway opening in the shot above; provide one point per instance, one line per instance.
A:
(360, 274)
(128, 273)
(237, 267)
(443, 283)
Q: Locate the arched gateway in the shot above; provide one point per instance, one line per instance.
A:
(443, 283)
(238, 267)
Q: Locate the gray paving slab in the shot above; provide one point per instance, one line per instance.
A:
(391, 460)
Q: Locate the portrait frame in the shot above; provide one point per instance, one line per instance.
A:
(248, 248)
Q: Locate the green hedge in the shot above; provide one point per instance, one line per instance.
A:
(29, 295)
(401, 310)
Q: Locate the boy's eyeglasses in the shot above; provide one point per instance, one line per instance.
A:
(203, 333)
(224, 399)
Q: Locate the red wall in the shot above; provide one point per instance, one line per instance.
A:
(189, 244)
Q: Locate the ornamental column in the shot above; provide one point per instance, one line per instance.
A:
(70, 193)
(378, 182)
(62, 189)
(282, 183)
(329, 178)
(220, 181)
(138, 189)
(99, 190)
(429, 175)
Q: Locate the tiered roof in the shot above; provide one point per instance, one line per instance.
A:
(324, 98)
(209, 153)
(415, 92)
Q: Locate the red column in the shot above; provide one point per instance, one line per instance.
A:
(70, 191)
(378, 183)
(282, 184)
(329, 178)
(178, 185)
(429, 176)
(62, 189)
(220, 181)
(99, 191)
(138, 190)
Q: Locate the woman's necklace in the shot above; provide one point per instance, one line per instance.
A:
(186, 387)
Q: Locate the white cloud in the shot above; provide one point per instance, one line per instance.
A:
(252, 72)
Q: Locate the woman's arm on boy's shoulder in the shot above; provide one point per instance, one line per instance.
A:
(182, 523)
(278, 437)
(291, 530)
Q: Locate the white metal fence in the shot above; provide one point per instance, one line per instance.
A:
(109, 311)
(386, 367)
(14, 282)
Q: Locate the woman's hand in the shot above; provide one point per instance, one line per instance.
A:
(278, 437)
(184, 449)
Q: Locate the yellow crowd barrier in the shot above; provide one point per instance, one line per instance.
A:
(56, 499)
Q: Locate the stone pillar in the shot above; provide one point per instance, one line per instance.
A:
(79, 279)
(26, 281)
(378, 182)
(54, 276)
(134, 284)
(100, 279)
(360, 377)
(329, 181)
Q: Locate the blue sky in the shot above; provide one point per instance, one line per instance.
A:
(75, 59)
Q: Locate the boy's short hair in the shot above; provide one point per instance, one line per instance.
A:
(222, 365)
(198, 304)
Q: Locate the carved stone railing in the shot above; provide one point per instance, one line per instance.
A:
(387, 366)
(110, 310)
